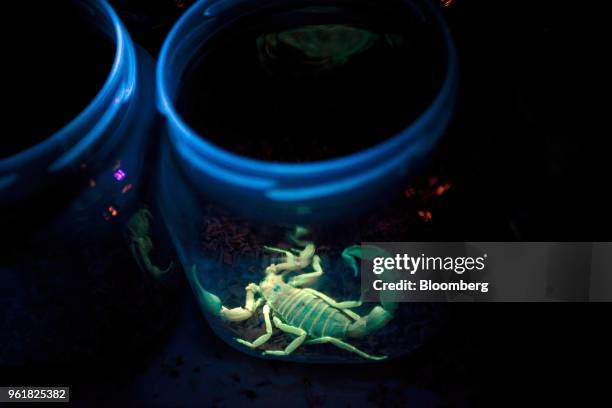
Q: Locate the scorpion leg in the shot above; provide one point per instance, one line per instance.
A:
(295, 343)
(264, 337)
(343, 306)
(306, 279)
(345, 346)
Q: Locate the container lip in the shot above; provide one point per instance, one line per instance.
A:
(89, 112)
(227, 158)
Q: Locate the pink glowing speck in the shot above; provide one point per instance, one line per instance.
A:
(119, 175)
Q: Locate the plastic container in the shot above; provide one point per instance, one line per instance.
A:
(223, 208)
(66, 196)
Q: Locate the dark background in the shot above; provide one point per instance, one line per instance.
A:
(525, 162)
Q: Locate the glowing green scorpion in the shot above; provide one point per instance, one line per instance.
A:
(316, 49)
(309, 316)
(141, 244)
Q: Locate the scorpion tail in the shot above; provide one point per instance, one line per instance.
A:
(209, 303)
(351, 254)
(370, 323)
(296, 237)
(380, 315)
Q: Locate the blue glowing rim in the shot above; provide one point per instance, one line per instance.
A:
(119, 78)
(282, 170)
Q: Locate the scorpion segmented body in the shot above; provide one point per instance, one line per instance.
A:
(307, 315)
(302, 309)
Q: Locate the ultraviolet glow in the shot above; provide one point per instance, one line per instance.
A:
(119, 175)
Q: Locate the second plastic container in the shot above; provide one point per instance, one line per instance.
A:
(71, 169)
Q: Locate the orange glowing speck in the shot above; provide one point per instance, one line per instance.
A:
(425, 215)
(410, 192)
(126, 188)
(113, 211)
(442, 189)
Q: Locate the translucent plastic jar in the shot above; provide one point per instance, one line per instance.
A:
(232, 210)
(70, 170)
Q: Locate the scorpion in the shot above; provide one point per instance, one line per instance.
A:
(318, 49)
(307, 315)
(141, 244)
